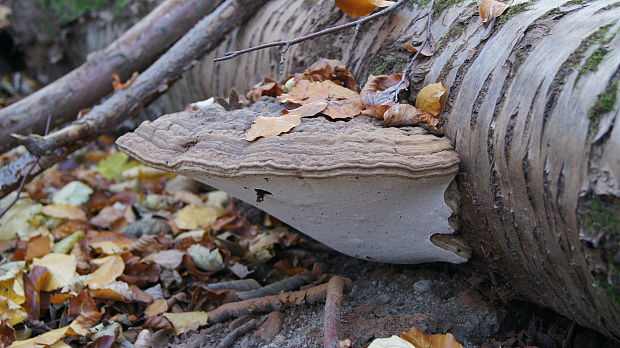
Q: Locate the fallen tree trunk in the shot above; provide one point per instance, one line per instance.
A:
(87, 84)
(123, 104)
(531, 112)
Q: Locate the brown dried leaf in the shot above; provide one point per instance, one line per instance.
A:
(426, 49)
(342, 103)
(7, 333)
(376, 111)
(33, 283)
(272, 126)
(421, 340)
(331, 69)
(106, 273)
(380, 92)
(62, 270)
(38, 246)
(158, 322)
(156, 308)
(121, 291)
(489, 9)
(85, 309)
(64, 211)
(432, 98)
(400, 115)
(357, 8)
(169, 259)
(268, 87)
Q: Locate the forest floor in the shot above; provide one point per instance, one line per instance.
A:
(99, 209)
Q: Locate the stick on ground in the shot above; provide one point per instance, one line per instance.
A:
(331, 323)
(272, 303)
(240, 331)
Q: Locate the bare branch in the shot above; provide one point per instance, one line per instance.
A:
(288, 43)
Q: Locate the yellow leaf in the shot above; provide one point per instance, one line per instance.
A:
(272, 126)
(47, 339)
(184, 322)
(432, 98)
(356, 8)
(11, 281)
(421, 340)
(194, 217)
(109, 247)
(12, 310)
(64, 211)
(122, 292)
(61, 268)
(156, 308)
(107, 273)
(489, 9)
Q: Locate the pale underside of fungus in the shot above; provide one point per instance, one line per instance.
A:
(370, 192)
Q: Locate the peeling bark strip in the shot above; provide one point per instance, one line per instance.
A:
(209, 32)
(524, 159)
(87, 84)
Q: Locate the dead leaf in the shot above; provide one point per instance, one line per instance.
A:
(183, 322)
(106, 273)
(14, 312)
(432, 98)
(108, 216)
(33, 283)
(425, 49)
(193, 217)
(489, 9)
(157, 323)
(380, 92)
(205, 259)
(61, 267)
(7, 333)
(357, 8)
(342, 103)
(391, 342)
(421, 340)
(272, 126)
(156, 308)
(330, 69)
(112, 247)
(11, 281)
(268, 87)
(121, 291)
(38, 246)
(64, 211)
(169, 259)
(118, 85)
(85, 309)
(400, 115)
(49, 338)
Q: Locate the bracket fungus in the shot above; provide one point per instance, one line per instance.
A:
(369, 192)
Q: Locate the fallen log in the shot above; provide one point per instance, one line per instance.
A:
(532, 114)
(203, 37)
(86, 85)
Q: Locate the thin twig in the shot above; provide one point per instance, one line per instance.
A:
(240, 331)
(428, 40)
(331, 323)
(25, 177)
(288, 43)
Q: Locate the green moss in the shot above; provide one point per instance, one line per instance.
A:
(575, 2)
(610, 6)
(513, 10)
(605, 103)
(593, 60)
(455, 30)
(388, 65)
(603, 214)
(442, 5)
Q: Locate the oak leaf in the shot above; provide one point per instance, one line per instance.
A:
(489, 9)
(357, 8)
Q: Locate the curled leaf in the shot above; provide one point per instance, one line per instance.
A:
(357, 8)
(425, 49)
(432, 98)
(422, 340)
(400, 115)
(205, 259)
(489, 9)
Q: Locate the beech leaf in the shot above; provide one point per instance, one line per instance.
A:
(194, 217)
(272, 126)
(421, 340)
(205, 259)
(74, 193)
(183, 322)
(106, 273)
(432, 98)
(15, 313)
(61, 267)
(357, 8)
(400, 115)
(489, 9)
(64, 211)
